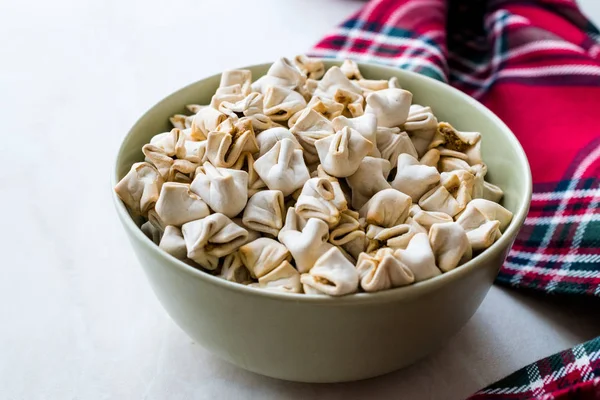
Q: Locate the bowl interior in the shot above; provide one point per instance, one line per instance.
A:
(507, 164)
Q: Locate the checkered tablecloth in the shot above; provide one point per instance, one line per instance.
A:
(536, 64)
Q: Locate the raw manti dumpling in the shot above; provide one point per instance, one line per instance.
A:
(157, 157)
(325, 106)
(224, 149)
(308, 89)
(352, 102)
(313, 68)
(281, 73)
(422, 126)
(478, 171)
(450, 245)
(479, 211)
(263, 255)
(182, 171)
(173, 242)
(181, 121)
(444, 152)
(264, 212)
(449, 164)
(205, 121)
(350, 69)
(229, 94)
(460, 183)
(284, 69)
(152, 231)
(281, 103)
(189, 149)
(140, 188)
(484, 236)
(372, 85)
(340, 200)
(233, 126)
(318, 200)
(212, 237)
(266, 81)
(232, 93)
(194, 108)
(483, 189)
(154, 227)
(153, 218)
(166, 141)
(242, 77)
(350, 220)
(430, 158)
(267, 139)
(419, 257)
(224, 190)
(387, 208)
(413, 178)
(456, 140)
(309, 289)
(391, 142)
(396, 237)
(282, 167)
(234, 270)
(246, 163)
(306, 240)
(259, 122)
(284, 278)
(177, 204)
(310, 127)
(428, 218)
(370, 178)
(473, 153)
(382, 271)
(382, 234)
(390, 106)
(366, 125)
(420, 118)
(293, 221)
(484, 222)
(340, 154)
(348, 234)
(333, 80)
(250, 105)
(437, 140)
(452, 195)
(439, 199)
(332, 274)
(492, 192)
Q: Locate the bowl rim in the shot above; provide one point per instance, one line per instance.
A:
(406, 292)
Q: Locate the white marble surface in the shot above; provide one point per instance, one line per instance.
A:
(78, 318)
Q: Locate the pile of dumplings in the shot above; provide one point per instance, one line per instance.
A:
(317, 182)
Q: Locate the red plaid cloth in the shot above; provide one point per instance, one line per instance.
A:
(536, 64)
(571, 374)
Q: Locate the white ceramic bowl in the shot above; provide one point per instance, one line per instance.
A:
(319, 338)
